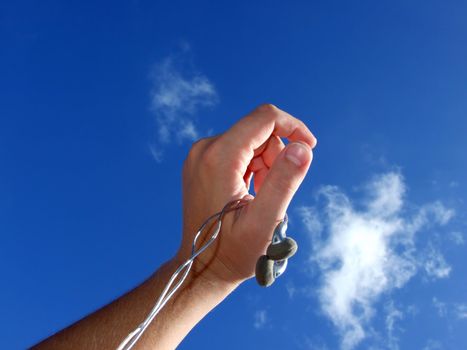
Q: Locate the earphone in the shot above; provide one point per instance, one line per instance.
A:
(273, 264)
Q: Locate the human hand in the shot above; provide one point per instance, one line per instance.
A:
(219, 169)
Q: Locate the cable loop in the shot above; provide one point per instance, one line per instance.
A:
(129, 342)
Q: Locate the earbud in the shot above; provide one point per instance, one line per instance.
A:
(282, 250)
(274, 263)
(265, 271)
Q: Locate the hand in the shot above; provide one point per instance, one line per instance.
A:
(219, 169)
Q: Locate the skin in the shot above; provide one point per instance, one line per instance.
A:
(217, 170)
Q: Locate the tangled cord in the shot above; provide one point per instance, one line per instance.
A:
(268, 267)
(170, 290)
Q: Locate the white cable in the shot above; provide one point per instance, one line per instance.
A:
(167, 293)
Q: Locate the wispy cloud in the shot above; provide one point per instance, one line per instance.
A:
(261, 319)
(454, 184)
(460, 310)
(291, 289)
(450, 310)
(392, 316)
(177, 95)
(366, 248)
(457, 238)
(441, 307)
(433, 345)
(435, 265)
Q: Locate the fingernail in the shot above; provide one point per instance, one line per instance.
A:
(298, 153)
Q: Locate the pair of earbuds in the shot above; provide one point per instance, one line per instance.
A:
(273, 264)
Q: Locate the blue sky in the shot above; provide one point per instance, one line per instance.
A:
(99, 105)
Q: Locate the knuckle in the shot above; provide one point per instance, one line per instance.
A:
(194, 153)
(267, 108)
(201, 142)
(268, 111)
(198, 146)
(204, 153)
(210, 155)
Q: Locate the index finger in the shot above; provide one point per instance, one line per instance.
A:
(257, 127)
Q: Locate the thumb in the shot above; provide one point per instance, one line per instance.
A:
(279, 186)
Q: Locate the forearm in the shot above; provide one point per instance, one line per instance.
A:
(107, 327)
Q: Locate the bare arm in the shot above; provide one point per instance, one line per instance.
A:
(106, 328)
(217, 170)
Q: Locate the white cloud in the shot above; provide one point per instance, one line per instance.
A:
(441, 307)
(435, 265)
(261, 318)
(392, 316)
(429, 214)
(457, 237)
(187, 131)
(156, 153)
(433, 345)
(365, 250)
(177, 95)
(454, 184)
(412, 310)
(460, 310)
(450, 310)
(291, 289)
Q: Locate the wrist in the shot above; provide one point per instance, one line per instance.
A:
(196, 297)
(207, 274)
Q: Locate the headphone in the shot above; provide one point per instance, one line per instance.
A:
(273, 264)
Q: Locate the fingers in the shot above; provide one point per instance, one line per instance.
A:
(273, 149)
(255, 129)
(280, 185)
(260, 164)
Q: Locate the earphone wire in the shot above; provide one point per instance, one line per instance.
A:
(129, 342)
